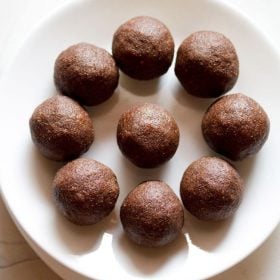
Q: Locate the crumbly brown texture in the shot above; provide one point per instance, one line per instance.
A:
(147, 135)
(207, 64)
(152, 215)
(85, 191)
(143, 48)
(61, 129)
(211, 189)
(86, 73)
(235, 126)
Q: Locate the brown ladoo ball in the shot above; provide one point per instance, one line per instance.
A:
(211, 189)
(85, 191)
(143, 48)
(152, 214)
(207, 64)
(86, 73)
(147, 135)
(61, 129)
(235, 126)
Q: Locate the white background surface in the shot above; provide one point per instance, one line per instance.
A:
(17, 261)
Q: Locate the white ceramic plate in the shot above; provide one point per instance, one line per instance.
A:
(102, 251)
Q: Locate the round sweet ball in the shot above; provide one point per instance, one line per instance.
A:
(152, 214)
(211, 189)
(85, 191)
(147, 135)
(143, 48)
(207, 64)
(86, 73)
(235, 126)
(61, 129)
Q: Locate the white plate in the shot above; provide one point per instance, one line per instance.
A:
(102, 251)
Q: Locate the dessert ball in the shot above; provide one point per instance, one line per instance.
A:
(152, 215)
(147, 135)
(86, 73)
(207, 64)
(211, 189)
(143, 48)
(61, 129)
(235, 126)
(85, 191)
